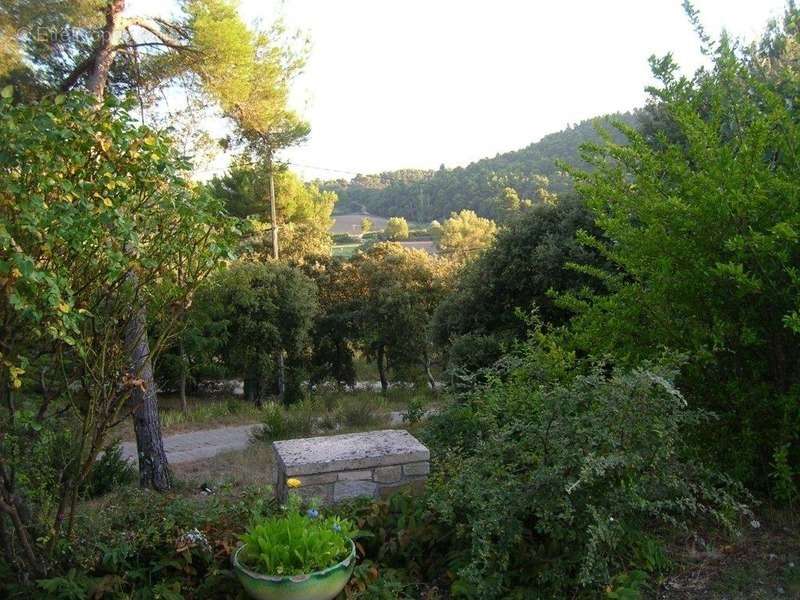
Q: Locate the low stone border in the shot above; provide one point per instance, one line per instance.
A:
(334, 468)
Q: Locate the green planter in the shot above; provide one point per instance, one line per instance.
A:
(320, 585)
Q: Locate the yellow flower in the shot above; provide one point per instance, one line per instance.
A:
(64, 307)
(108, 202)
(293, 483)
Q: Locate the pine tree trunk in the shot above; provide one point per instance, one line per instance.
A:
(106, 50)
(153, 466)
(382, 369)
(182, 382)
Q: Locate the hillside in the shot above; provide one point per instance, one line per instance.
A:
(423, 195)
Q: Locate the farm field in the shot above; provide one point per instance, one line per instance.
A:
(351, 223)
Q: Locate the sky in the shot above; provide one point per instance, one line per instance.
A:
(393, 84)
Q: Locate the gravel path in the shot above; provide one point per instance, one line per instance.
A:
(197, 445)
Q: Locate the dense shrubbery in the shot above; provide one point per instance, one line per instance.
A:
(494, 294)
(557, 477)
(701, 224)
(138, 544)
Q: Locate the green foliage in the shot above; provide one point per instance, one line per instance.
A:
(253, 310)
(87, 198)
(425, 195)
(136, 544)
(295, 543)
(323, 412)
(109, 472)
(569, 470)
(465, 234)
(392, 294)
(415, 411)
(396, 229)
(303, 211)
(701, 225)
(495, 293)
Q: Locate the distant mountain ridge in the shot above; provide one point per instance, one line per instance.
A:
(423, 195)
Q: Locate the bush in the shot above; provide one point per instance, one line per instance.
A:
(574, 470)
(109, 472)
(137, 544)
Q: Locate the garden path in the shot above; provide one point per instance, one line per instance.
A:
(205, 443)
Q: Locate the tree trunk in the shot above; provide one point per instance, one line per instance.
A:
(426, 362)
(281, 378)
(106, 49)
(182, 382)
(153, 466)
(382, 368)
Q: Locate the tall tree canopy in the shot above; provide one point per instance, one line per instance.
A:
(701, 224)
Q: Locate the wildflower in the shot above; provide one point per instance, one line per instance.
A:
(293, 483)
(312, 513)
(337, 527)
(755, 524)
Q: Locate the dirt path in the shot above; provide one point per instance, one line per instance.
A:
(197, 445)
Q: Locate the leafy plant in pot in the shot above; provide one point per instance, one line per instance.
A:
(299, 555)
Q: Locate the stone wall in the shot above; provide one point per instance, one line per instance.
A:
(333, 468)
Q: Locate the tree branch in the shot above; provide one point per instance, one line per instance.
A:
(155, 29)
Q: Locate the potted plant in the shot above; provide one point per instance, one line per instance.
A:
(297, 555)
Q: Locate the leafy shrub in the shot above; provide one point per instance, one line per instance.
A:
(571, 467)
(296, 543)
(345, 238)
(109, 472)
(415, 411)
(137, 544)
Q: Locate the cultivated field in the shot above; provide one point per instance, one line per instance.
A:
(351, 223)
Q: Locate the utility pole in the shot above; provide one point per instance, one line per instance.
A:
(275, 255)
(272, 210)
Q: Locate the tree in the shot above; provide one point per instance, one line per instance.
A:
(516, 276)
(396, 229)
(86, 198)
(701, 228)
(423, 195)
(465, 234)
(254, 309)
(303, 212)
(393, 292)
(367, 225)
(207, 44)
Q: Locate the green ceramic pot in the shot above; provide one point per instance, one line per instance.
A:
(320, 585)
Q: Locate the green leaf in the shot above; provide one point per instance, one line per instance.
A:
(7, 91)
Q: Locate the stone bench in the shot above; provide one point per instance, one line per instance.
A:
(333, 468)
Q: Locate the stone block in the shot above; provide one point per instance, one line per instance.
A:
(420, 468)
(342, 490)
(317, 479)
(389, 474)
(348, 452)
(353, 475)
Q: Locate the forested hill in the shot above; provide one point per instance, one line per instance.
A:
(424, 195)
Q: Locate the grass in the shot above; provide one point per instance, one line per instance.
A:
(230, 471)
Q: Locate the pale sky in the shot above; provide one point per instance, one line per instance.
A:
(413, 84)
